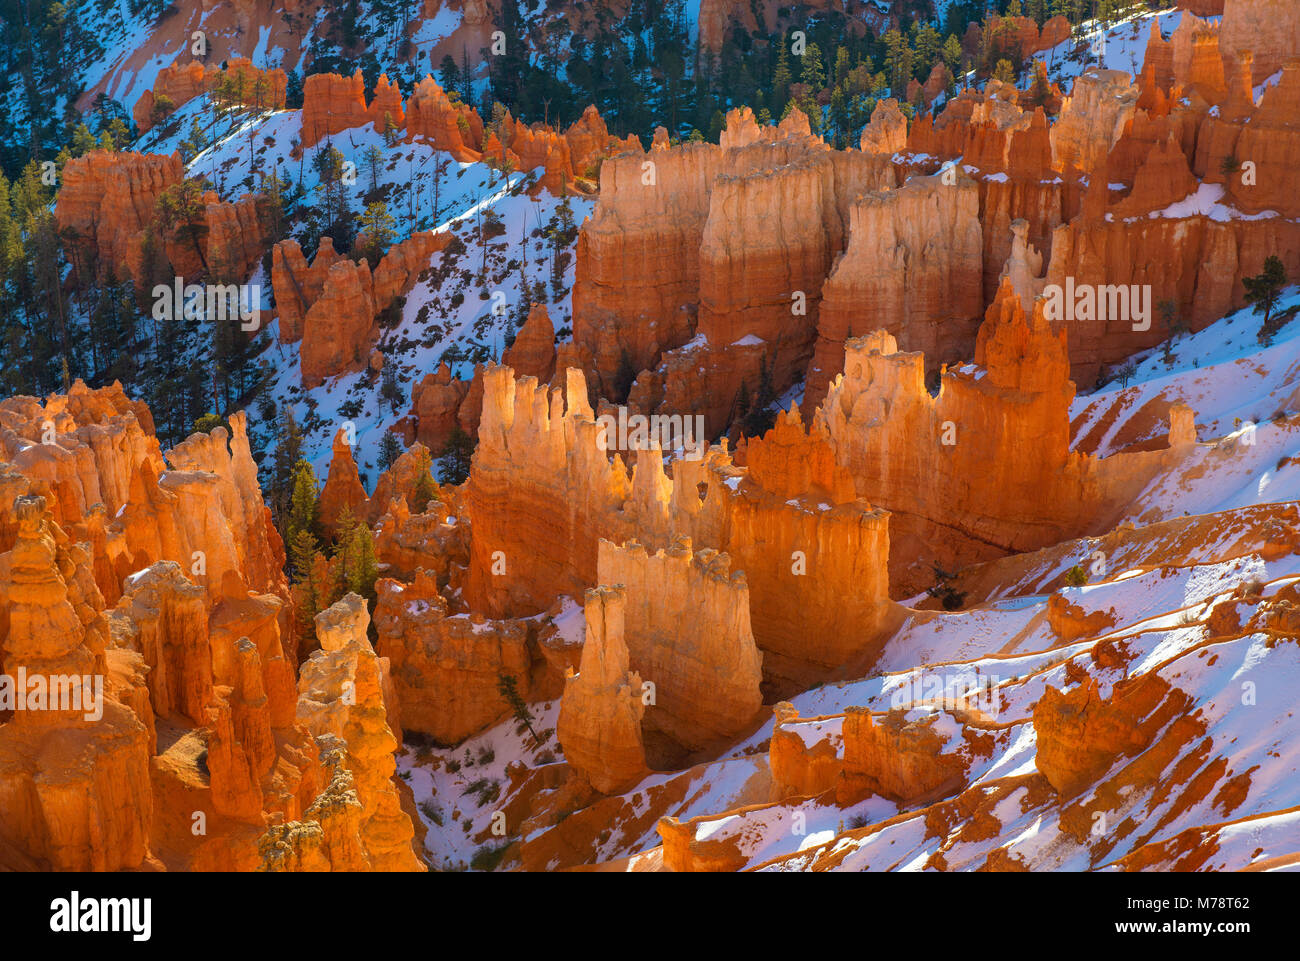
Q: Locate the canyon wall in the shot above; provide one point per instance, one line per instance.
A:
(542, 494)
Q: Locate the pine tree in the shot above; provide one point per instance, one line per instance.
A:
(307, 592)
(508, 687)
(1264, 291)
(377, 229)
(182, 211)
(781, 80)
(390, 448)
(390, 389)
(813, 71)
(454, 464)
(425, 489)
(304, 506)
(354, 567)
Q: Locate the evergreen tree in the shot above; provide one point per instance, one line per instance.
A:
(182, 211)
(309, 595)
(1263, 292)
(425, 489)
(377, 228)
(508, 687)
(390, 448)
(304, 504)
(454, 464)
(813, 71)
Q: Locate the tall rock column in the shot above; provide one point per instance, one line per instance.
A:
(599, 726)
(341, 694)
(74, 765)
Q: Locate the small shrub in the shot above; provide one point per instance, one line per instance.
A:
(488, 857)
(1076, 576)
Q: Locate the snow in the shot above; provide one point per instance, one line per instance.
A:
(446, 309)
(1206, 202)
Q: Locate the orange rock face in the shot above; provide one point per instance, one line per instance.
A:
(435, 404)
(237, 237)
(451, 126)
(386, 107)
(342, 490)
(918, 455)
(897, 759)
(334, 305)
(109, 202)
(533, 352)
(341, 697)
(687, 631)
(930, 302)
(887, 131)
(339, 329)
(181, 83)
(672, 252)
(542, 494)
(332, 104)
(1092, 118)
(1268, 28)
(1269, 139)
(446, 668)
(600, 716)
(74, 771)
(1196, 261)
(282, 779)
(296, 285)
(1080, 734)
(108, 198)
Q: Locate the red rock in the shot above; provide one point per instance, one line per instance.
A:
(432, 115)
(1268, 28)
(339, 329)
(918, 460)
(542, 494)
(387, 102)
(168, 615)
(75, 790)
(931, 301)
(342, 490)
(399, 268)
(1092, 119)
(1270, 139)
(533, 352)
(296, 285)
(687, 631)
(108, 198)
(341, 696)
(330, 105)
(435, 405)
(895, 758)
(183, 82)
(237, 237)
(446, 667)
(1164, 179)
(887, 131)
(599, 726)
